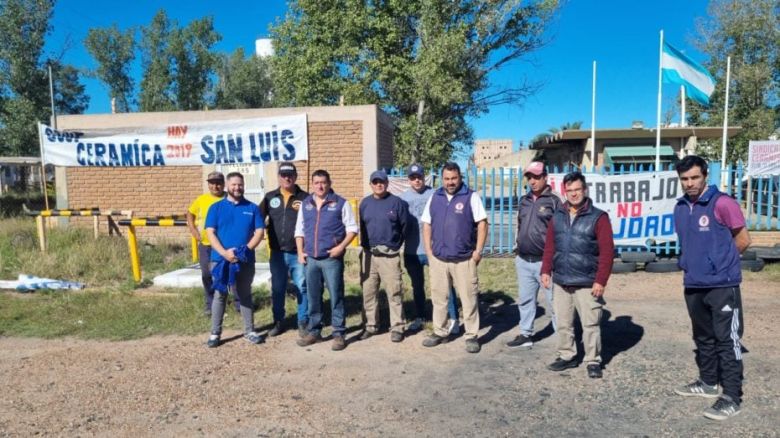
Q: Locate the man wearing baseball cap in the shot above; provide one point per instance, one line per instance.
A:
(414, 251)
(383, 218)
(280, 211)
(534, 214)
(196, 217)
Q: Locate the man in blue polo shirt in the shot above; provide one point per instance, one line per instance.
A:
(235, 227)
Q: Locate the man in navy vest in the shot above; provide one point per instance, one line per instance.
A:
(454, 232)
(383, 218)
(324, 228)
(280, 209)
(578, 249)
(712, 234)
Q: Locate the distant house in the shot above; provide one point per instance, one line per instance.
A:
(14, 169)
(624, 146)
(488, 150)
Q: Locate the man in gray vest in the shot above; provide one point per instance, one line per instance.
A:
(579, 251)
(454, 232)
(535, 211)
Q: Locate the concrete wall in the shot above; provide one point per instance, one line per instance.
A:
(349, 142)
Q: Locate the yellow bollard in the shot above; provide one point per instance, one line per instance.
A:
(135, 260)
(41, 232)
(354, 203)
(194, 250)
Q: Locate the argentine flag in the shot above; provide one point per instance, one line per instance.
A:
(680, 69)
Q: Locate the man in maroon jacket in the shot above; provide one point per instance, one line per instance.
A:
(579, 250)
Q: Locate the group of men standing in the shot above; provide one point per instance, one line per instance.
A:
(568, 243)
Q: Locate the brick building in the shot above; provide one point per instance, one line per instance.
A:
(488, 150)
(348, 141)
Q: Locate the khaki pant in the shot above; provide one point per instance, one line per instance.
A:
(568, 301)
(463, 277)
(374, 269)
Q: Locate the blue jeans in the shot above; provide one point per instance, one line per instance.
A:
(414, 267)
(285, 265)
(331, 270)
(529, 282)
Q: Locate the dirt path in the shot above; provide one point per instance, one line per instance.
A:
(175, 386)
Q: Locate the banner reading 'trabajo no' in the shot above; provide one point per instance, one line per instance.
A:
(640, 205)
(255, 140)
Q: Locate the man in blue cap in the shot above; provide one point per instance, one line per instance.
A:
(415, 259)
(383, 218)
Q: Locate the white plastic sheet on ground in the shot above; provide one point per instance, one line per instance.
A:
(28, 283)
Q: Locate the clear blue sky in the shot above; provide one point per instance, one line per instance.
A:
(622, 36)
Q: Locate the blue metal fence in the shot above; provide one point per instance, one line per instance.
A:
(500, 190)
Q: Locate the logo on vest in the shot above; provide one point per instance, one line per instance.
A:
(275, 203)
(459, 208)
(332, 207)
(704, 222)
(309, 207)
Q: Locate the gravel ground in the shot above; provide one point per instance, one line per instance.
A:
(175, 386)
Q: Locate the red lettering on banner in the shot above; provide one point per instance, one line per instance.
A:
(629, 209)
(177, 131)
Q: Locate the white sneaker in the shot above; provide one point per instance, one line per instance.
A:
(453, 325)
(416, 325)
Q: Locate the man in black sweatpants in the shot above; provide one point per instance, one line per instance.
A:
(712, 234)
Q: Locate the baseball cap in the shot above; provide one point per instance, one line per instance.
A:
(535, 168)
(378, 175)
(415, 170)
(287, 167)
(216, 176)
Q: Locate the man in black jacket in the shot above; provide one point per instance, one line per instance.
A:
(280, 210)
(534, 214)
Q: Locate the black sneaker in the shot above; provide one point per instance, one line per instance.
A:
(724, 408)
(276, 330)
(434, 340)
(213, 341)
(560, 364)
(698, 389)
(302, 330)
(396, 336)
(522, 341)
(594, 371)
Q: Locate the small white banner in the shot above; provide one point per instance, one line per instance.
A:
(640, 205)
(242, 141)
(763, 158)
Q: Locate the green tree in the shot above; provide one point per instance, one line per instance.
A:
(157, 82)
(24, 82)
(113, 50)
(194, 62)
(748, 31)
(425, 62)
(243, 82)
(554, 130)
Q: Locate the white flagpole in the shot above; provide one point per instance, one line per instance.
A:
(725, 127)
(593, 123)
(658, 116)
(682, 107)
